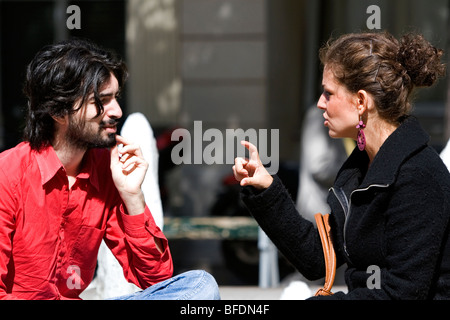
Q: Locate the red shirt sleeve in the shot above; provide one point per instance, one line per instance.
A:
(132, 241)
(7, 226)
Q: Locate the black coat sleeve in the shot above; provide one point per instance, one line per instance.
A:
(296, 237)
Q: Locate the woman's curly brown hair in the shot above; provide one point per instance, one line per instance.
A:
(386, 68)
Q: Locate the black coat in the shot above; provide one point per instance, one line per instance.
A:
(392, 218)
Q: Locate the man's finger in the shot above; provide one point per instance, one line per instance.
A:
(128, 146)
(121, 139)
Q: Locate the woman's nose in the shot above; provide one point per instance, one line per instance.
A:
(321, 103)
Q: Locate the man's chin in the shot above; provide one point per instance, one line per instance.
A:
(109, 142)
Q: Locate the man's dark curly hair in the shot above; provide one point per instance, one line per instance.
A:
(59, 76)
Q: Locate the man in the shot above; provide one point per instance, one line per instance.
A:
(69, 186)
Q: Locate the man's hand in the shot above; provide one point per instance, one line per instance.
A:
(251, 172)
(128, 168)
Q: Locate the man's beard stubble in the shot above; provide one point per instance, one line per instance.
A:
(81, 136)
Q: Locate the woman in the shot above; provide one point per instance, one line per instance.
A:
(390, 203)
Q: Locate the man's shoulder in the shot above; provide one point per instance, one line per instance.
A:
(15, 162)
(16, 154)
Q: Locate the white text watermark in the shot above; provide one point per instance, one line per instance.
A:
(74, 20)
(374, 280)
(74, 280)
(374, 20)
(212, 146)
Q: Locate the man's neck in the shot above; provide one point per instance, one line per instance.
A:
(71, 158)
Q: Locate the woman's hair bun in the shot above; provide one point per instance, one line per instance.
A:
(421, 60)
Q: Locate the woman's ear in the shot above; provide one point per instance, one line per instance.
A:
(364, 102)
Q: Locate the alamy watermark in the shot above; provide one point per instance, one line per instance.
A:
(374, 280)
(374, 20)
(74, 20)
(212, 146)
(74, 280)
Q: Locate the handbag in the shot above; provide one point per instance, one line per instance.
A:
(324, 229)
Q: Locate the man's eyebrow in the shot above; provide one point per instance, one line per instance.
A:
(103, 94)
(107, 94)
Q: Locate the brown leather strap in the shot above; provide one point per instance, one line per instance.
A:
(324, 229)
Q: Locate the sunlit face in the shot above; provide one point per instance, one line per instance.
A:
(87, 130)
(339, 106)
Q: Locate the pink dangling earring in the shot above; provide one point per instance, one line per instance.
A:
(361, 138)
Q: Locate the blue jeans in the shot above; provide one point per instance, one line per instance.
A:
(191, 285)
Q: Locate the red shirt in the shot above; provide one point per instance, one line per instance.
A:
(50, 234)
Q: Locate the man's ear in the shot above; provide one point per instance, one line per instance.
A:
(61, 120)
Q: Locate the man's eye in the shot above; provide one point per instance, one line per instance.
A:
(105, 100)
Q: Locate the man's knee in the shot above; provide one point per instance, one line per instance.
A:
(205, 284)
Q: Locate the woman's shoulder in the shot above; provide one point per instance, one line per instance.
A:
(427, 167)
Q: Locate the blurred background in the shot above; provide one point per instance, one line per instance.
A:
(228, 63)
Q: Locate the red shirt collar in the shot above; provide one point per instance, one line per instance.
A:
(49, 165)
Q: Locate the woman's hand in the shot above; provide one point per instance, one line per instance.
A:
(251, 172)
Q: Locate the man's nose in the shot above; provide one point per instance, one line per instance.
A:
(113, 109)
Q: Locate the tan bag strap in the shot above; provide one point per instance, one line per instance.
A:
(324, 229)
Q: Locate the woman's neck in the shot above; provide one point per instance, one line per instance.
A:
(376, 134)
